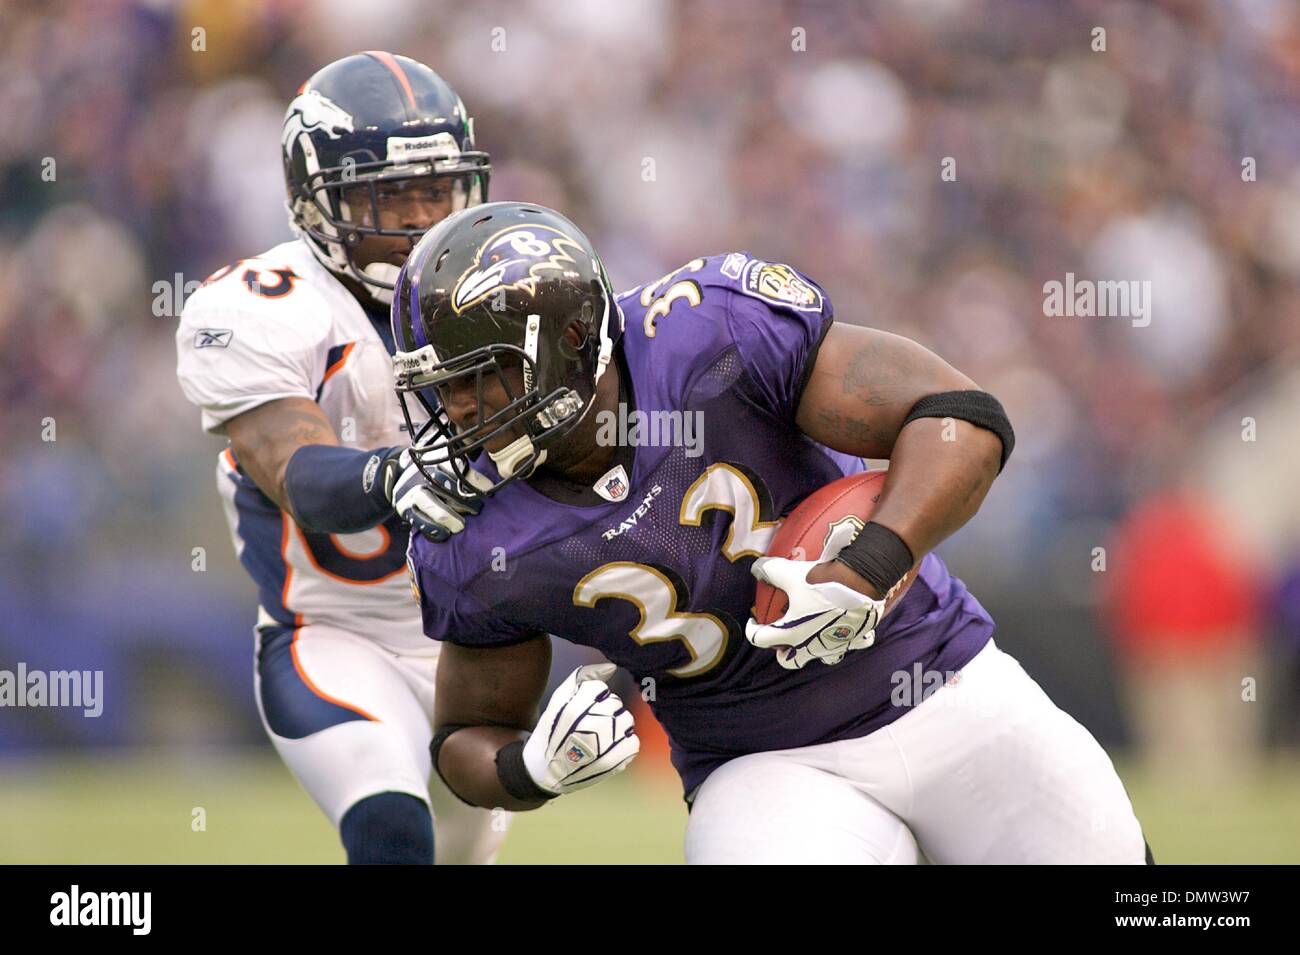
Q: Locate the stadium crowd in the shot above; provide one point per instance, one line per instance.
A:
(931, 163)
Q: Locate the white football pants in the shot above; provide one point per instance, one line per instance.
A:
(352, 719)
(986, 770)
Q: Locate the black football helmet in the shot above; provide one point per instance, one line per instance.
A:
(363, 120)
(490, 287)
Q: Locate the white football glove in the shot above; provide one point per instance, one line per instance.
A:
(436, 510)
(585, 734)
(824, 621)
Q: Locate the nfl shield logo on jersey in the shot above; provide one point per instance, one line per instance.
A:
(615, 488)
(612, 485)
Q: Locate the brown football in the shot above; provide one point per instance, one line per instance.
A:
(838, 510)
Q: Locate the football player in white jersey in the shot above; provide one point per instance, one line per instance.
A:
(288, 355)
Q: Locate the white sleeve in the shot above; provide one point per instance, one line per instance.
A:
(237, 350)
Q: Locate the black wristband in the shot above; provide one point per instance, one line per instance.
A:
(977, 407)
(514, 774)
(879, 556)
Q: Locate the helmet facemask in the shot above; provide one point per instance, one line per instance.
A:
(543, 417)
(365, 122)
(325, 209)
(508, 302)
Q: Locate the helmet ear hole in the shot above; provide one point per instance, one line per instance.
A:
(575, 336)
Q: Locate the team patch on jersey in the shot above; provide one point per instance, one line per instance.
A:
(630, 522)
(213, 337)
(368, 474)
(781, 285)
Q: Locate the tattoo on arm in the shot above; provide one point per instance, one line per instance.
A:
(863, 385)
(879, 373)
(266, 437)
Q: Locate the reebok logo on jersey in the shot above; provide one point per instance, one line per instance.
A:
(213, 337)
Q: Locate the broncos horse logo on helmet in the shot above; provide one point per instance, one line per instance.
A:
(365, 120)
(311, 111)
(505, 284)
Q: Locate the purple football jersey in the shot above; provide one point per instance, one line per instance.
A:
(714, 357)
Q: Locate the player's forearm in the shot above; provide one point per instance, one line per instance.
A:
(289, 449)
(467, 763)
(265, 439)
(939, 473)
(335, 490)
(878, 395)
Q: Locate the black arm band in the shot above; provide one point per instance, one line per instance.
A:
(978, 407)
(514, 774)
(439, 738)
(879, 556)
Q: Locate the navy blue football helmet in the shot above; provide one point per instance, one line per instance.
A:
(368, 120)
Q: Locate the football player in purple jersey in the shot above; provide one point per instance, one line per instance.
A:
(638, 451)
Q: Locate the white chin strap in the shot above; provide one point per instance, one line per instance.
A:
(606, 339)
(384, 272)
(509, 458)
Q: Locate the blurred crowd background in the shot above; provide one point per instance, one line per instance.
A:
(1142, 550)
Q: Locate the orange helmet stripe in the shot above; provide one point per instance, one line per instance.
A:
(395, 68)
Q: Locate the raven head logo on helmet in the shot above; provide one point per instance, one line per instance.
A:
(377, 148)
(507, 294)
(515, 258)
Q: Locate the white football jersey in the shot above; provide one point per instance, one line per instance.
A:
(281, 325)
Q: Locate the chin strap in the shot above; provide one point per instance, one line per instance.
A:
(521, 451)
(518, 452)
(606, 339)
(334, 258)
(381, 272)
